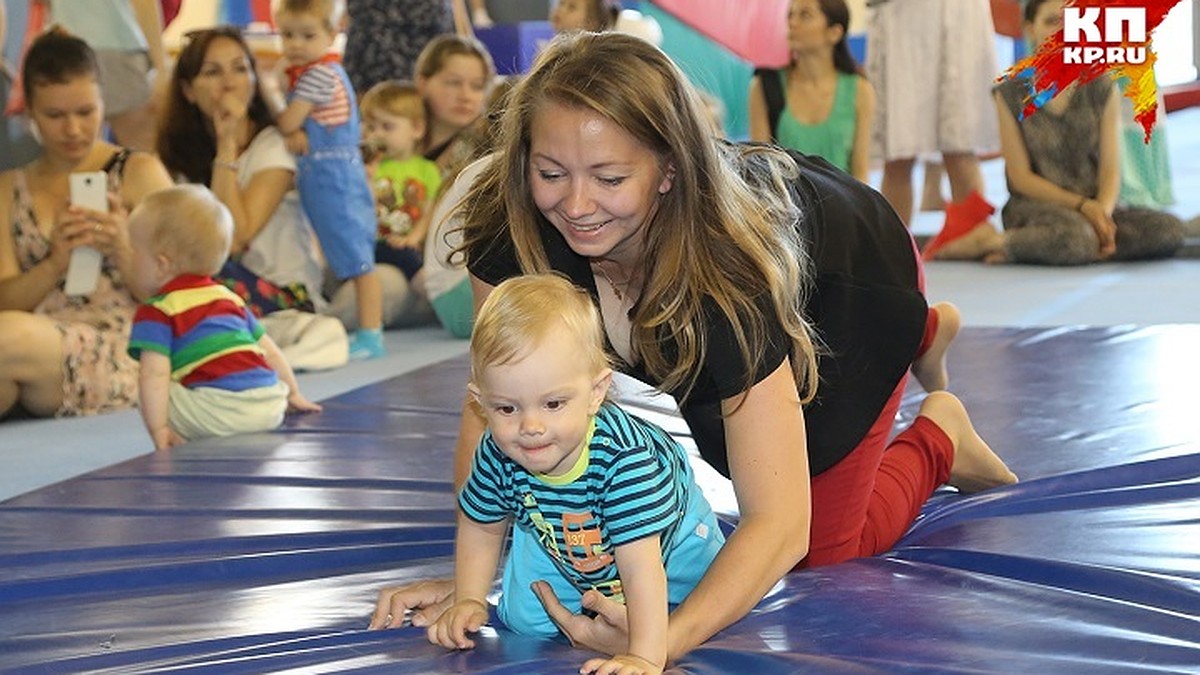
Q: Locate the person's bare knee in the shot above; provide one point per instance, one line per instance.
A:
(31, 363)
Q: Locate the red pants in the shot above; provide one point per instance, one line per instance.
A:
(863, 504)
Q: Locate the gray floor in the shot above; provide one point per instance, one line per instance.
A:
(42, 452)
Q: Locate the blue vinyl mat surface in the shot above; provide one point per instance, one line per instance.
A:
(264, 553)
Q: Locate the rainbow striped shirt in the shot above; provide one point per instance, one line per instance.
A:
(207, 331)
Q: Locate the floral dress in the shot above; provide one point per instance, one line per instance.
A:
(98, 376)
(386, 36)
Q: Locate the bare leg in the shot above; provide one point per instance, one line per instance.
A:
(976, 467)
(931, 194)
(930, 367)
(897, 186)
(965, 175)
(31, 364)
(369, 294)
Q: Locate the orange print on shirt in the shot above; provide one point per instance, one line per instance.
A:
(583, 543)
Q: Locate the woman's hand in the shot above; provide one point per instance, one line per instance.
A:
(228, 116)
(607, 632)
(401, 241)
(72, 229)
(426, 600)
(105, 231)
(1102, 223)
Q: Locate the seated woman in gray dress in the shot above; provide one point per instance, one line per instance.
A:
(1063, 170)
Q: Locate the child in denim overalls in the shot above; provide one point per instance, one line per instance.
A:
(321, 122)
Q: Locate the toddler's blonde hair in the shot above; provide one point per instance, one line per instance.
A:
(395, 97)
(189, 225)
(521, 311)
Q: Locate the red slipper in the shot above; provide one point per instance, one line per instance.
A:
(961, 218)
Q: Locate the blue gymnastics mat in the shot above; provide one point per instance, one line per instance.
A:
(264, 553)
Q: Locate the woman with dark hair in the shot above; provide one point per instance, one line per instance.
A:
(65, 355)
(218, 131)
(820, 103)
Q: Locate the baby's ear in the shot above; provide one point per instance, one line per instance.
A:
(166, 266)
(475, 393)
(600, 386)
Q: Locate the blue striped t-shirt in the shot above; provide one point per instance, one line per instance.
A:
(634, 482)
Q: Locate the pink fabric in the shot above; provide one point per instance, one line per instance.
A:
(755, 31)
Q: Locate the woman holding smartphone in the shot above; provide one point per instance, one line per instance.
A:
(65, 355)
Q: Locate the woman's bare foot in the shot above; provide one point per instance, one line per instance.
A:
(996, 258)
(930, 367)
(976, 467)
(982, 241)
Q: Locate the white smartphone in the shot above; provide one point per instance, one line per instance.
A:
(90, 191)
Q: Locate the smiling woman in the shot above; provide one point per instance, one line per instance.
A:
(707, 261)
(65, 355)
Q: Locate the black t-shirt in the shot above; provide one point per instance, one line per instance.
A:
(865, 305)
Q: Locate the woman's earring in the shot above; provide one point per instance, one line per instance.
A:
(668, 183)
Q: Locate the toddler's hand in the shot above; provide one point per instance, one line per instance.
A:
(165, 438)
(297, 142)
(299, 404)
(451, 628)
(621, 664)
(399, 241)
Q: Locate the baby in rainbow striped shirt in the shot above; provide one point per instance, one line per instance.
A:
(207, 366)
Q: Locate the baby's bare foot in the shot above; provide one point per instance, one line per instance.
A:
(930, 367)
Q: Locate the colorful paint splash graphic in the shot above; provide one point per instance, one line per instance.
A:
(1048, 71)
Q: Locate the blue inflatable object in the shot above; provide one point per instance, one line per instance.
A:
(265, 553)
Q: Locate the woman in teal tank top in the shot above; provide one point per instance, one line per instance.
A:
(820, 104)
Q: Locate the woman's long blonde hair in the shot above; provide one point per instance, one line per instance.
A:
(718, 244)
